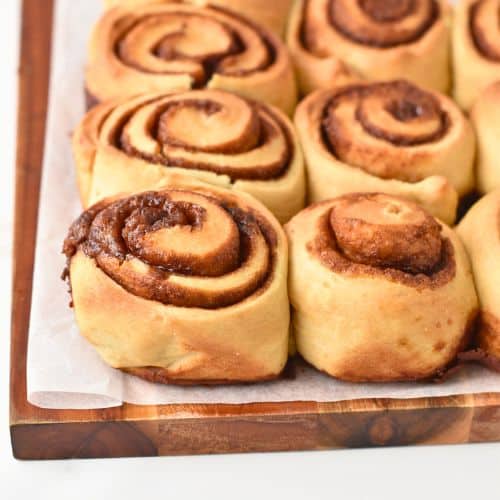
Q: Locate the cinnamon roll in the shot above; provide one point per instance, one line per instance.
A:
(485, 117)
(476, 48)
(376, 39)
(480, 232)
(381, 291)
(391, 137)
(217, 137)
(186, 284)
(176, 46)
(272, 16)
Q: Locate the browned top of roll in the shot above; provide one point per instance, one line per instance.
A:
(484, 19)
(396, 112)
(203, 130)
(375, 23)
(178, 247)
(378, 234)
(177, 38)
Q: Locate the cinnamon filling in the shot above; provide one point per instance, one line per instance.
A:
(484, 19)
(177, 247)
(386, 11)
(375, 23)
(206, 130)
(370, 234)
(397, 113)
(383, 233)
(202, 43)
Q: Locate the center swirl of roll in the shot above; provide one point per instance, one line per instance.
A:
(177, 247)
(184, 39)
(374, 234)
(386, 232)
(383, 23)
(204, 130)
(485, 28)
(393, 113)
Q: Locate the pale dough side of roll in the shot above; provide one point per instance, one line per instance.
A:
(313, 72)
(480, 232)
(485, 117)
(189, 343)
(472, 71)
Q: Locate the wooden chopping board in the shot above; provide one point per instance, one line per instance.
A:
(188, 429)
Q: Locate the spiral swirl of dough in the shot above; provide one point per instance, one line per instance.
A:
(375, 234)
(204, 130)
(174, 46)
(372, 39)
(140, 143)
(392, 116)
(177, 247)
(387, 136)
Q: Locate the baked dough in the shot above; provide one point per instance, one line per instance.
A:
(380, 290)
(480, 232)
(485, 117)
(391, 137)
(378, 40)
(179, 46)
(187, 284)
(144, 142)
(274, 17)
(476, 49)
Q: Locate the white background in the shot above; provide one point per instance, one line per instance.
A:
(406, 473)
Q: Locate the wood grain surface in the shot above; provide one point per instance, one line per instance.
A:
(188, 429)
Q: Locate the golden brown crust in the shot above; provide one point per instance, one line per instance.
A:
(476, 49)
(479, 356)
(369, 319)
(162, 376)
(165, 279)
(136, 144)
(393, 234)
(489, 339)
(375, 39)
(258, 10)
(383, 236)
(387, 136)
(172, 46)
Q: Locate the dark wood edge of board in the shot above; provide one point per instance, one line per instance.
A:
(132, 430)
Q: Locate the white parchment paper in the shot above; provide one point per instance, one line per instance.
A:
(64, 371)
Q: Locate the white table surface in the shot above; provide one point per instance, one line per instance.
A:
(471, 471)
